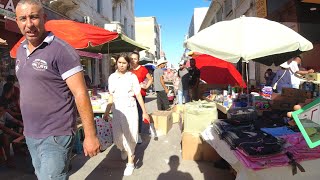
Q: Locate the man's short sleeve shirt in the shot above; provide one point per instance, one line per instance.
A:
(47, 104)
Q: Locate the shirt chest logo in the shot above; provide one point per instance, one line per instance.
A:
(39, 65)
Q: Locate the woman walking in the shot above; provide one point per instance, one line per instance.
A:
(123, 86)
(145, 81)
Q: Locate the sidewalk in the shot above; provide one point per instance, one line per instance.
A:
(152, 161)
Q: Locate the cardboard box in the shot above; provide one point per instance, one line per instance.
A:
(313, 76)
(162, 121)
(176, 117)
(285, 103)
(194, 148)
(207, 87)
(296, 93)
(178, 108)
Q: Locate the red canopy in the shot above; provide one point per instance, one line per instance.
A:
(78, 35)
(217, 71)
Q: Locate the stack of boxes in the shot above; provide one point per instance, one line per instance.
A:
(196, 117)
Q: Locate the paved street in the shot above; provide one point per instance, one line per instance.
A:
(152, 162)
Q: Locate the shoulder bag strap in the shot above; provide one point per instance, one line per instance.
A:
(281, 76)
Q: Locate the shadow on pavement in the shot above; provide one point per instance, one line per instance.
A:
(77, 162)
(173, 173)
(209, 171)
(23, 170)
(140, 149)
(112, 167)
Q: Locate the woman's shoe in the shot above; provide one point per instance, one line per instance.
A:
(129, 170)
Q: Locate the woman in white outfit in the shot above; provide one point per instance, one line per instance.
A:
(123, 86)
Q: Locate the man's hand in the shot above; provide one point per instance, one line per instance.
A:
(146, 117)
(91, 146)
(310, 71)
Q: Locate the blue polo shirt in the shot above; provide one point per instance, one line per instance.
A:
(47, 104)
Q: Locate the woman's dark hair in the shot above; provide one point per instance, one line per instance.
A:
(126, 57)
(6, 89)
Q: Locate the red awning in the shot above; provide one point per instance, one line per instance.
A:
(89, 54)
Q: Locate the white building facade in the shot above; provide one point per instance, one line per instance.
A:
(113, 15)
(148, 33)
(196, 21)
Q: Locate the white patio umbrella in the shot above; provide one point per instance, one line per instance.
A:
(249, 38)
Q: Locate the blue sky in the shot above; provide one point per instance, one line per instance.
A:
(174, 17)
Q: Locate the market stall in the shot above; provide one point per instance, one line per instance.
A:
(274, 172)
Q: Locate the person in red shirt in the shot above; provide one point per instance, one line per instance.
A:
(145, 81)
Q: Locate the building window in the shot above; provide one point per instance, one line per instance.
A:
(132, 6)
(219, 15)
(228, 7)
(120, 14)
(114, 13)
(213, 20)
(132, 32)
(238, 2)
(99, 6)
(125, 26)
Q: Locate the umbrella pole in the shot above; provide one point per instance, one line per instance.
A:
(247, 74)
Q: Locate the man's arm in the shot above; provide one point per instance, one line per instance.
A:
(197, 79)
(108, 108)
(14, 120)
(305, 72)
(150, 81)
(163, 85)
(78, 88)
(9, 131)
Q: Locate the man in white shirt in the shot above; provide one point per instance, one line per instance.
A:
(296, 72)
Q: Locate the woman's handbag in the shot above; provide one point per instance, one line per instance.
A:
(274, 87)
(104, 133)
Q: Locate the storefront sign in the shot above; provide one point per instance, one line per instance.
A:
(7, 8)
(261, 8)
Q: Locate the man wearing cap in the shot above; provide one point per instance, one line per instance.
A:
(159, 86)
(183, 87)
